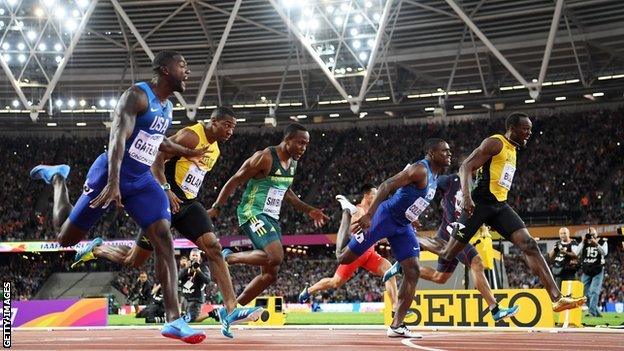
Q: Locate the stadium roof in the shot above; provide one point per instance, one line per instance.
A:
(471, 53)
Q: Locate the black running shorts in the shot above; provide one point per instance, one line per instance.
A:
(192, 221)
(500, 217)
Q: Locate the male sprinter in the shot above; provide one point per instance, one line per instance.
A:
(495, 161)
(268, 174)
(182, 179)
(123, 176)
(450, 187)
(391, 217)
(370, 260)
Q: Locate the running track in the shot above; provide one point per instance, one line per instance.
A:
(316, 339)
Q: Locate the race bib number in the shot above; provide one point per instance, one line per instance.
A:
(145, 146)
(193, 180)
(416, 209)
(359, 236)
(273, 202)
(507, 176)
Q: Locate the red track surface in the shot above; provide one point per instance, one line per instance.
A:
(314, 339)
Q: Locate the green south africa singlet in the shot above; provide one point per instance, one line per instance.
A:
(265, 195)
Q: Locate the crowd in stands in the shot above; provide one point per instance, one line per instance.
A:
(573, 167)
(563, 172)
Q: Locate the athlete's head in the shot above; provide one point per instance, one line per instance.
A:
(296, 139)
(564, 234)
(171, 66)
(519, 126)
(222, 122)
(438, 151)
(368, 192)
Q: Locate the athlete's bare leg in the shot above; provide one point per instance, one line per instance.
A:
(274, 257)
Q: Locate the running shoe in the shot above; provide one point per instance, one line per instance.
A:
(86, 253)
(180, 330)
(46, 173)
(402, 332)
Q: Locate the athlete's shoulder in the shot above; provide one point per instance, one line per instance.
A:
(492, 145)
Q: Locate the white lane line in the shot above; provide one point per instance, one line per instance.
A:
(409, 343)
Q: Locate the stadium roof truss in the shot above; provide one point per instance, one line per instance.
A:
(285, 53)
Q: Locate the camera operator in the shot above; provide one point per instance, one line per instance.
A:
(564, 257)
(154, 312)
(193, 281)
(592, 252)
(141, 292)
(183, 264)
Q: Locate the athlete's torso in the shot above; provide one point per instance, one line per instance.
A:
(183, 175)
(148, 133)
(265, 195)
(494, 179)
(450, 186)
(408, 202)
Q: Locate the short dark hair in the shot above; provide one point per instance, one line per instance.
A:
(513, 119)
(141, 272)
(431, 144)
(366, 188)
(222, 112)
(293, 128)
(163, 58)
(184, 258)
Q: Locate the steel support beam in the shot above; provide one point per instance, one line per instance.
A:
(476, 53)
(306, 44)
(163, 22)
(355, 105)
(281, 86)
(244, 19)
(554, 26)
(576, 58)
(34, 112)
(303, 89)
(191, 111)
(489, 44)
(140, 39)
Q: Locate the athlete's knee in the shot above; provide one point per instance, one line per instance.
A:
(529, 245)
(477, 264)
(275, 260)
(336, 283)
(346, 257)
(411, 270)
(211, 246)
(440, 278)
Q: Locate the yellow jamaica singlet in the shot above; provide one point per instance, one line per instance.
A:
(183, 175)
(494, 178)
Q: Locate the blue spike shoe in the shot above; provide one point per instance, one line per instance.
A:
(505, 313)
(46, 173)
(86, 253)
(394, 270)
(304, 296)
(180, 330)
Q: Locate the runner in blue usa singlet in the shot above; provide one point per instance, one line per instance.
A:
(393, 219)
(142, 197)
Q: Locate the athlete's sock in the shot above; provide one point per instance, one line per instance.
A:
(493, 308)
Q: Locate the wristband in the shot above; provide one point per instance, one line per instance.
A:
(166, 186)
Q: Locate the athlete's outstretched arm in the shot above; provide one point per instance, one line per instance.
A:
(414, 173)
(488, 148)
(316, 214)
(171, 147)
(132, 102)
(258, 163)
(184, 138)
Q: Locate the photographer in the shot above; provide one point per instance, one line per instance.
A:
(592, 252)
(564, 257)
(141, 293)
(193, 281)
